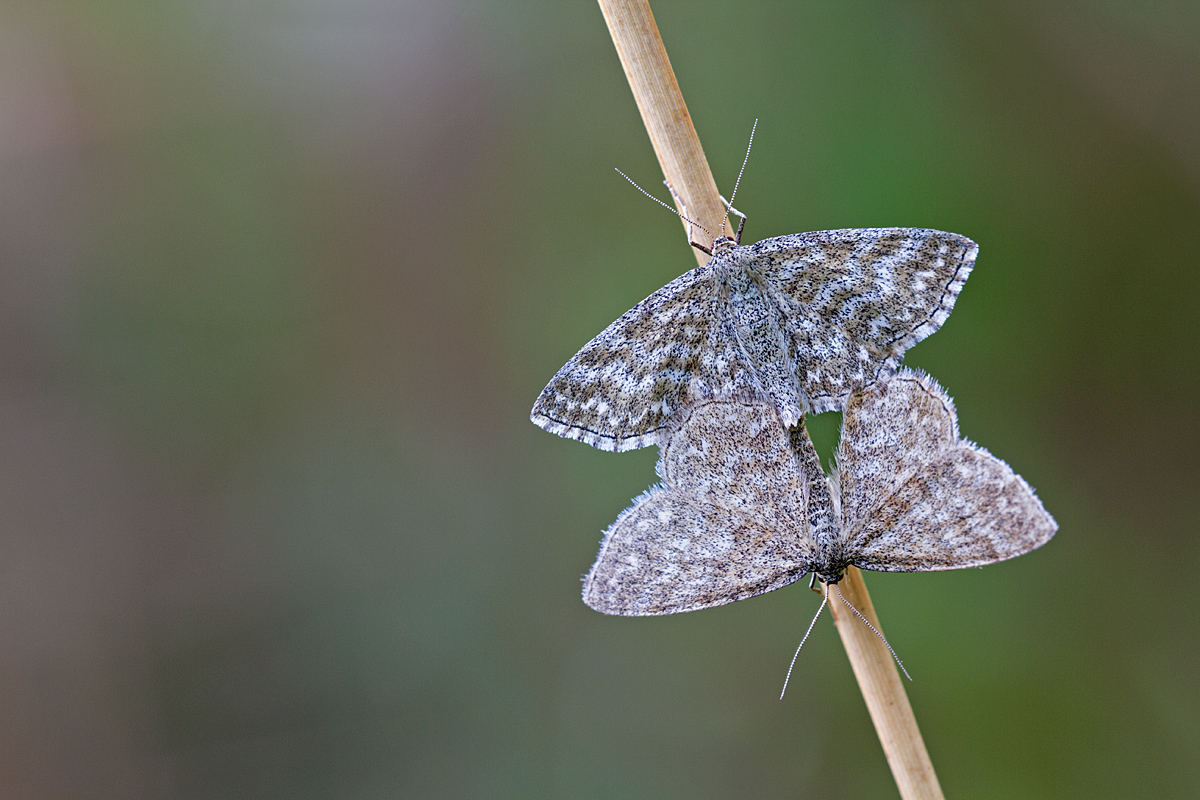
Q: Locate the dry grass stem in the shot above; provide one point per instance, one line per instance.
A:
(644, 58)
(652, 80)
(880, 684)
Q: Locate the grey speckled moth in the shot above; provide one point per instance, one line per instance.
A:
(744, 507)
(801, 320)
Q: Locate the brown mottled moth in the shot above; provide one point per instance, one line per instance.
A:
(801, 320)
(745, 508)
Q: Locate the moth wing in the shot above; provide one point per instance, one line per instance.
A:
(856, 299)
(736, 453)
(672, 552)
(888, 433)
(966, 510)
(915, 497)
(620, 389)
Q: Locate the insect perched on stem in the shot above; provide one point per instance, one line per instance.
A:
(744, 506)
(800, 320)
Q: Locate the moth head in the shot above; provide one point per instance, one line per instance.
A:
(831, 574)
(722, 243)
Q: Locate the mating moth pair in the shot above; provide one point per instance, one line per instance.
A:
(718, 368)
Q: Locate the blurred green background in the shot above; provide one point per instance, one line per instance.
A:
(281, 279)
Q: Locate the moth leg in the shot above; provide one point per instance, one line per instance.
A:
(737, 239)
(687, 222)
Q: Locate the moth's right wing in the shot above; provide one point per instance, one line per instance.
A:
(729, 522)
(619, 391)
(735, 452)
(672, 552)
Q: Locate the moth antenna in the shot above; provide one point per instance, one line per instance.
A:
(683, 212)
(738, 182)
(873, 630)
(820, 608)
(672, 210)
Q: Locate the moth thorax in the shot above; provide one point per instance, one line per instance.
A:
(831, 555)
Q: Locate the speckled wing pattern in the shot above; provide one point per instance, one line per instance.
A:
(856, 299)
(619, 391)
(915, 496)
(728, 522)
(744, 507)
(801, 320)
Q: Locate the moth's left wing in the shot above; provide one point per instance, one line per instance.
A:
(856, 299)
(916, 497)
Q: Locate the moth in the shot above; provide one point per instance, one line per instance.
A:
(800, 320)
(744, 506)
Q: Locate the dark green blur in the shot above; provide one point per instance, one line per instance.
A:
(281, 279)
